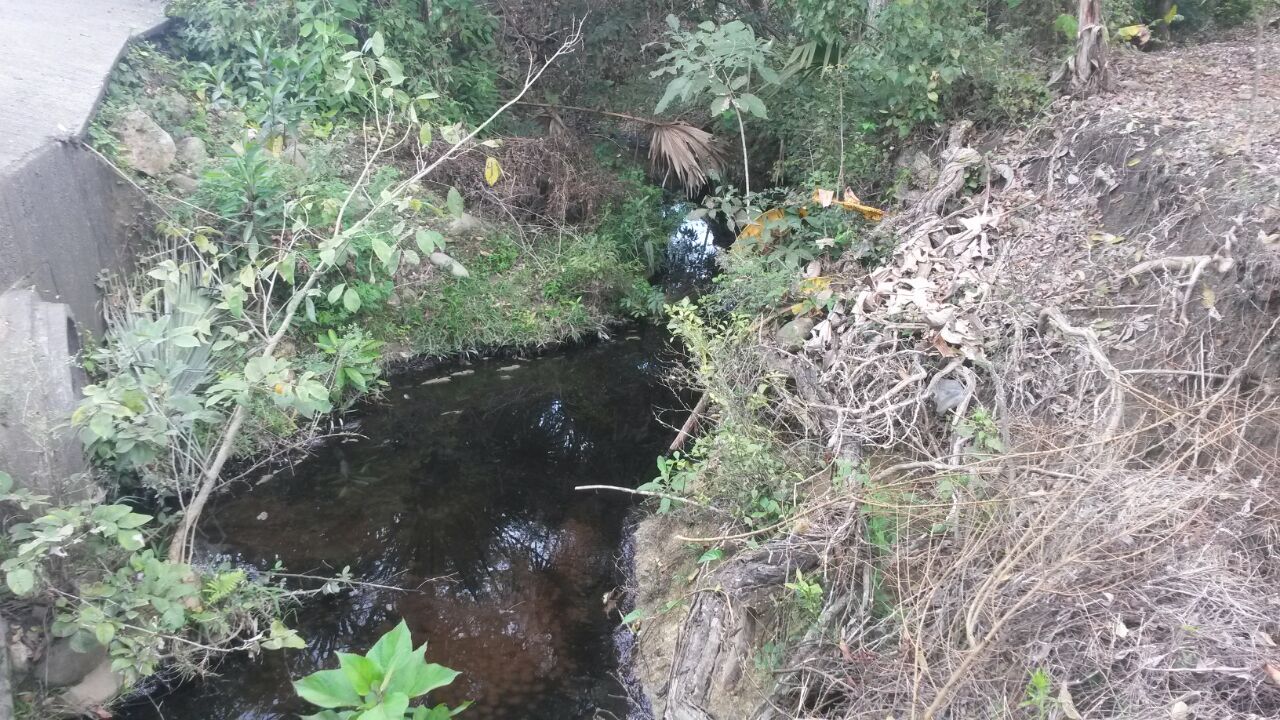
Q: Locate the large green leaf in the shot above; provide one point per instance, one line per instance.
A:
(392, 648)
(453, 201)
(361, 671)
(20, 581)
(392, 707)
(421, 678)
(328, 689)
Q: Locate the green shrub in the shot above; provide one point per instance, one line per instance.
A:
(380, 684)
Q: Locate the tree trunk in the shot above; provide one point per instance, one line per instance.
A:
(1089, 67)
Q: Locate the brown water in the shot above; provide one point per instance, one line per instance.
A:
(462, 491)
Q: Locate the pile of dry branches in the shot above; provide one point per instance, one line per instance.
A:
(1106, 525)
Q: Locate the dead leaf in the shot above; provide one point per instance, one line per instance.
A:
(1179, 711)
(824, 197)
(1273, 673)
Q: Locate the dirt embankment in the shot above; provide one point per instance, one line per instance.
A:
(1106, 543)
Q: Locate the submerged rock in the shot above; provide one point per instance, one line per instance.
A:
(145, 146)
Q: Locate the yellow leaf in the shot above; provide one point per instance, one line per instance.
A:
(868, 212)
(492, 171)
(1140, 32)
(1172, 15)
(277, 145)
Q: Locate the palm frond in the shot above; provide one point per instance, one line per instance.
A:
(688, 153)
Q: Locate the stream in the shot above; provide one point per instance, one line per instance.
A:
(460, 488)
(464, 489)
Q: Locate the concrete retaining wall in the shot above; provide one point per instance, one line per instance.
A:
(65, 217)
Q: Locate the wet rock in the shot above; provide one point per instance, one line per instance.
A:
(96, 690)
(184, 184)
(192, 151)
(145, 146)
(793, 335)
(62, 666)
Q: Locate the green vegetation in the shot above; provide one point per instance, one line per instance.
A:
(381, 684)
(357, 189)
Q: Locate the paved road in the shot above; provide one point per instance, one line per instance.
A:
(54, 62)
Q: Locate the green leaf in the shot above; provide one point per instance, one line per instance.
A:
(130, 540)
(133, 520)
(392, 647)
(674, 88)
(328, 689)
(382, 250)
(378, 44)
(6, 482)
(288, 267)
(393, 707)
(753, 105)
(336, 293)
(351, 300)
(454, 203)
(424, 135)
(421, 678)
(429, 241)
(363, 673)
(633, 616)
(105, 632)
(711, 556)
(20, 581)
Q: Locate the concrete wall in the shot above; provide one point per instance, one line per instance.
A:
(65, 217)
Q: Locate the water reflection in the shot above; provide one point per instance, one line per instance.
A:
(465, 492)
(691, 253)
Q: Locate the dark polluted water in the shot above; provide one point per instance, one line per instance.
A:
(462, 490)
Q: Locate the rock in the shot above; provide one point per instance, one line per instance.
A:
(192, 151)
(294, 155)
(175, 106)
(184, 184)
(62, 666)
(145, 146)
(96, 690)
(793, 334)
(465, 226)
(443, 262)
